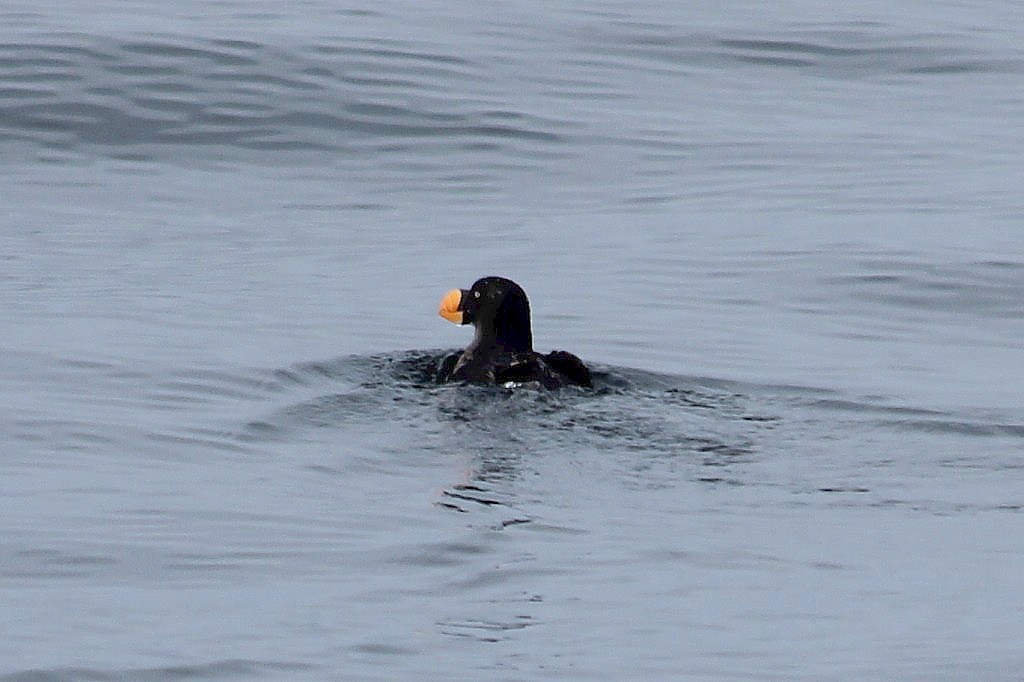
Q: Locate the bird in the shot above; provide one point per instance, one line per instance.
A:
(502, 348)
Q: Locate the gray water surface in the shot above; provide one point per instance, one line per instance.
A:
(788, 240)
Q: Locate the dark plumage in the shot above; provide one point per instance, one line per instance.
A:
(502, 348)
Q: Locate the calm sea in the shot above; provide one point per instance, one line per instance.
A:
(789, 238)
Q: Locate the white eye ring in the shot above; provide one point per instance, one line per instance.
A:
(476, 294)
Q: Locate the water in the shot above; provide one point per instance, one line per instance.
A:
(787, 238)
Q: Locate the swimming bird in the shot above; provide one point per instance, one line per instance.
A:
(502, 348)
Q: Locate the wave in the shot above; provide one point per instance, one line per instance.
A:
(226, 669)
(62, 93)
(128, 95)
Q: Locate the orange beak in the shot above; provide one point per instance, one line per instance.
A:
(450, 308)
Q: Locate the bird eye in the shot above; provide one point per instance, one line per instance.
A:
(476, 294)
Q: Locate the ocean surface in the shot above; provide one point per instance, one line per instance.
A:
(788, 237)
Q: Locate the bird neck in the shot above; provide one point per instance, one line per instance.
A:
(509, 329)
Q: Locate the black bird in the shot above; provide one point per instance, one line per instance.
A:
(502, 349)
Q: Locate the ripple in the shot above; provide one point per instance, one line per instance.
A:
(178, 91)
(981, 289)
(484, 630)
(959, 427)
(836, 52)
(228, 668)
